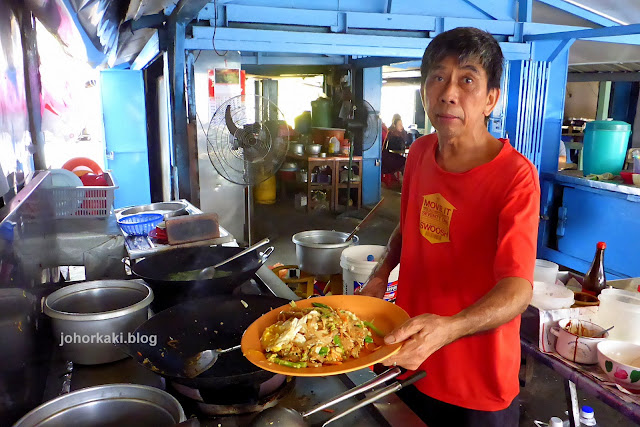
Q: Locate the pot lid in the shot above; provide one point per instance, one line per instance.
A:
(614, 125)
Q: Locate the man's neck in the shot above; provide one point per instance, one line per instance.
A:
(463, 153)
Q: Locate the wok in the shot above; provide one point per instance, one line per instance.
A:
(157, 270)
(188, 328)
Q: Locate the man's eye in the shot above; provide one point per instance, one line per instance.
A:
(468, 80)
(438, 78)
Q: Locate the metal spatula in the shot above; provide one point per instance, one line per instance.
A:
(209, 272)
(203, 361)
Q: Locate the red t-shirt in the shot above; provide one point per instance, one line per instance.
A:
(461, 234)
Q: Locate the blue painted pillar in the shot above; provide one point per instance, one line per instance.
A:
(620, 101)
(372, 92)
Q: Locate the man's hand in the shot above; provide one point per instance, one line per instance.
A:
(421, 337)
(375, 287)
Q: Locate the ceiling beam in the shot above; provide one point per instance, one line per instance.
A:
(187, 10)
(604, 77)
(583, 12)
(614, 31)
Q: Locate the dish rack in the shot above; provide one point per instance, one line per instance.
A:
(84, 202)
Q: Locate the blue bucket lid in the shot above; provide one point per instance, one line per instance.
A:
(615, 125)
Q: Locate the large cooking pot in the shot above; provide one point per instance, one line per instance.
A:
(161, 272)
(318, 251)
(168, 209)
(210, 323)
(86, 316)
(113, 405)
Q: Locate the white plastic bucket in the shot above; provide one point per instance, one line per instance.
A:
(356, 269)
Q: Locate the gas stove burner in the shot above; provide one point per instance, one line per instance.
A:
(238, 400)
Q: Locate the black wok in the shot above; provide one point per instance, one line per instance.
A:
(157, 271)
(193, 326)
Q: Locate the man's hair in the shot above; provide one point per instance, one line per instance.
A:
(465, 43)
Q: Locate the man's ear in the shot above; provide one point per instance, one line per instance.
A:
(492, 99)
(424, 104)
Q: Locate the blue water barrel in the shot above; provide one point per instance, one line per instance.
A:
(605, 146)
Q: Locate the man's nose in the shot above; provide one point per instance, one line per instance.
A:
(449, 93)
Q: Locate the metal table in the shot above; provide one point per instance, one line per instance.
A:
(575, 379)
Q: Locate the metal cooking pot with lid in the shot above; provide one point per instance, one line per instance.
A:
(168, 209)
(113, 405)
(318, 251)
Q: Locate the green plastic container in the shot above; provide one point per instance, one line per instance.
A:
(321, 113)
(605, 146)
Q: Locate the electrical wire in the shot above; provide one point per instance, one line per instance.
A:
(215, 28)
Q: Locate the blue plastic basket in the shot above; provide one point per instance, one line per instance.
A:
(140, 224)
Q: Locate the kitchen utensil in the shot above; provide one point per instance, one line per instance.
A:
(547, 296)
(321, 112)
(622, 309)
(313, 149)
(168, 209)
(384, 315)
(605, 332)
(64, 178)
(296, 149)
(105, 308)
(322, 155)
(112, 405)
(210, 272)
(355, 230)
(577, 340)
(188, 328)
(202, 361)
(621, 362)
(161, 272)
(289, 166)
(290, 417)
(140, 224)
(318, 251)
(545, 271)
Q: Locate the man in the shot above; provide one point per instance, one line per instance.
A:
(466, 242)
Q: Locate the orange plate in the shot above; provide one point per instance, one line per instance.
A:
(384, 315)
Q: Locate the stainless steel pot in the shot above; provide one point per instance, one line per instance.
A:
(88, 317)
(106, 406)
(313, 149)
(318, 251)
(297, 149)
(168, 209)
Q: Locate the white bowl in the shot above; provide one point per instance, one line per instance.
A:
(621, 362)
(551, 297)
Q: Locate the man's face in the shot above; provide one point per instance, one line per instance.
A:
(456, 98)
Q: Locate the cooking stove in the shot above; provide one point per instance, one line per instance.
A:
(237, 406)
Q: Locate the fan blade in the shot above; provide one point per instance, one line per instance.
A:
(229, 121)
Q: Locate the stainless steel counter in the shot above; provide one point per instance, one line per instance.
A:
(574, 177)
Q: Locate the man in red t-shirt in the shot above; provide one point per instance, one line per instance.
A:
(466, 242)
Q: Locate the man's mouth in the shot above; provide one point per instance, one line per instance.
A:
(447, 117)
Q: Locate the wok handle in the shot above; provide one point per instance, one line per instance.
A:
(264, 255)
(242, 252)
(379, 395)
(386, 375)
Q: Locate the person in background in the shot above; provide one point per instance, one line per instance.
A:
(397, 136)
(466, 241)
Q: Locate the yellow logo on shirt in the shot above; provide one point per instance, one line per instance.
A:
(435, 218)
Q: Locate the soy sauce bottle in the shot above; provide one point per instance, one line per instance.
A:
(595, 280)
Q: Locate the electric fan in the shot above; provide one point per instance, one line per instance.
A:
(247, 141)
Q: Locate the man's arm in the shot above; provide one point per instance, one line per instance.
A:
(377, 283)
(425, 334)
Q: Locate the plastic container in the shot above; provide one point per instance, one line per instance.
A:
(545, 271)
(321, 113)
(621, 309)
(265, 192)
(84, 202)
(358, 262)
(587, 417)
(605, 146)
(551, 297)
(140, 224)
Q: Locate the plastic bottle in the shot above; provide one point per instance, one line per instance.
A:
(595, 280)
(587, 417)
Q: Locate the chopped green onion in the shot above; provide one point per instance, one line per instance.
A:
(292, 303)
(368, 339)
(317, 304)
(373, 328)
(323, 351)
(288, 364)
